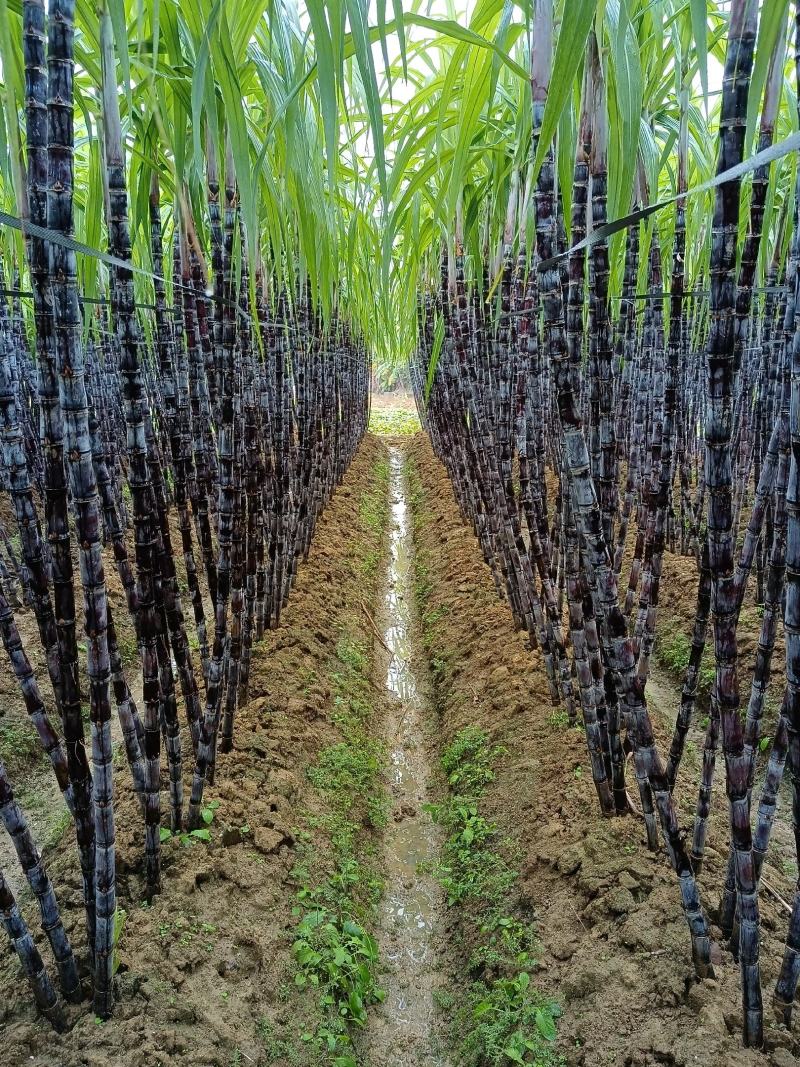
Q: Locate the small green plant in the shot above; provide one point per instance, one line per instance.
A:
(19, 743)
(467, 761)
(674, 654)
(120, 915)
(188, 837)
(500, 1017)
(339, 957)
(513, 1023)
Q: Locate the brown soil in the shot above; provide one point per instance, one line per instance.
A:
(614, 945)
(206, 971)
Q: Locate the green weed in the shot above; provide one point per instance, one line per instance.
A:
(202, 833)
(337, 956)
(335, 953)
(501, 1017)
(19, 743)
(674, 652)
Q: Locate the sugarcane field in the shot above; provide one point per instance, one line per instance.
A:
(400, 533)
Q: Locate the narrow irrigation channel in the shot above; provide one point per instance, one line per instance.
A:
(402, 1032)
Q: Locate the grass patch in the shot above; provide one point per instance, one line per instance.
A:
(394, 422)
(500, 1017)
(673, 652)
(19, 744)
(373, 515)
(335, 953)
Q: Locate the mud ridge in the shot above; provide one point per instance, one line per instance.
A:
(614, 948)
(206, 973)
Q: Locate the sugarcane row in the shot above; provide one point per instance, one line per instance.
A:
(584, 440)
(229, 408)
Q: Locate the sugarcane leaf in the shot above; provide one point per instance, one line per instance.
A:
(199, 80)
(363, 51)
(771, 29)
(698, 10)
(570, 49)
(116, 11)
(325, 73)
(627, 87)
(436, 350)
(401, 33)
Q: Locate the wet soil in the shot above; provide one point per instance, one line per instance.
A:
(403, 1031)
(614, 947)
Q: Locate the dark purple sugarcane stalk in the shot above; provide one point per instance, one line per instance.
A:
(51, 434)
(599, 325)
(171, 637)
(617, 646)
(78, 453)
(762, 668)
(127, 332)
(196, 452)
(176, 392)
(238, 545)
(720, 380)
(213, 369)
(22, 497)
(34, 869)
(226, 444)
(30, 958)
(130, 722)
(787, 982)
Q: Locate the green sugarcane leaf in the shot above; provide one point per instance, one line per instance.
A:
(116, 11)
(699, 16)
(401, 33)
(357, 13)
(771, 34)
(570, 49)
(199, 81)
(436, 350)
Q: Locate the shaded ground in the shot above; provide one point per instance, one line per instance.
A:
(614, 948)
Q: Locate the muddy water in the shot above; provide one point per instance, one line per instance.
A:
(402, 1030)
